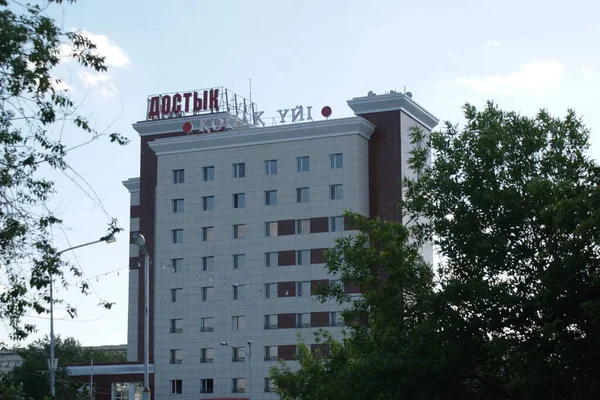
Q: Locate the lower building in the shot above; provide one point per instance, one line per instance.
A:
(237, 216)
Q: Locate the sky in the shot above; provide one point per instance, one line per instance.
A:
(524, 55)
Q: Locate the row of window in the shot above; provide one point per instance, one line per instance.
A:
(271, 290)
(238, 354)
(336, 192)
(238, 322)
(238, 385)
(336, 161)
(336, 224)
(239, 260)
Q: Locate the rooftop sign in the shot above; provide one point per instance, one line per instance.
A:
(219, 109)
(199, 102)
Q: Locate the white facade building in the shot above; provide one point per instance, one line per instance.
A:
(236, 223)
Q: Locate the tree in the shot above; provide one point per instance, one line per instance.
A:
(31, 46)
(513, 206)
(11, 389)
(33, 376)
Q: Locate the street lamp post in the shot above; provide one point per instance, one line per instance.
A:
(52, 363)
(140, 241)
(249, 354)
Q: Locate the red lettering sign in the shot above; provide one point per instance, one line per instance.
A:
(166, 104)
(197, 102)
(187, 101)
(177, 103)
(163, 106)
(154, 108)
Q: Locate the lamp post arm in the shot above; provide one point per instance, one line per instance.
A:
(240, 349)
(81, 245)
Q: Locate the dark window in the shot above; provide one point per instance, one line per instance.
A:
(239, 170)
(208, 174)
(178, 176)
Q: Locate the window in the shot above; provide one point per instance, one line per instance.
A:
(177, 235)
(208, 356)
(208, 233)
(303, 320)
(271, 259)
(239, 200)
(176, 264)
(207, 292)
(176, 294)
(238, 291)
(269, 386)
(90, 390)
(208, 203)
(176, 357)
(208, 174)
(239, 323)
(176, 325)
(239, 385)
(206, 386)
(238, 354)
(206, 324)
(176, 386)
(302, 164)
(302, 226)
(271, 228)
(239, 170)
(178, 176)
(271, 167)
(335, 283)
(336, 224)
(270, 290)
(271, 353)
(208, 263)
(303, 289)
(302, 195)
(336, 192)
(178, 205)
(336, 161)
(336, 319)
(303, 257)
(121, 391)
(271, 197)
(239, 231)
(239, 261)
(271, 321)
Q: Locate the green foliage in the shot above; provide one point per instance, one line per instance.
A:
(10, 389)
(30, 48)
(512, 205)
(33, 373)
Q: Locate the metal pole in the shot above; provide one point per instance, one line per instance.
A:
(146, 392)
(108, 239)
(91, 379)
(52, 367)
(249, 370)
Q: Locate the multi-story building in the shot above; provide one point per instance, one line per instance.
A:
(237, 216)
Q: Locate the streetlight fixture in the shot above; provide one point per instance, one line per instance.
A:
(140, 241)
(52, 363)
(249, 354)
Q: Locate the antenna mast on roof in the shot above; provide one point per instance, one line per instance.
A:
(251, 103)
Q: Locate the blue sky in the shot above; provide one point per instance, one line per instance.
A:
(524, 55)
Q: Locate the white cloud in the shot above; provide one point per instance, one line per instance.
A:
(90, 79)
(62, 86)
(536, 76)
(109, 91)
(492, 43)
(113, 55)
(588, 72)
